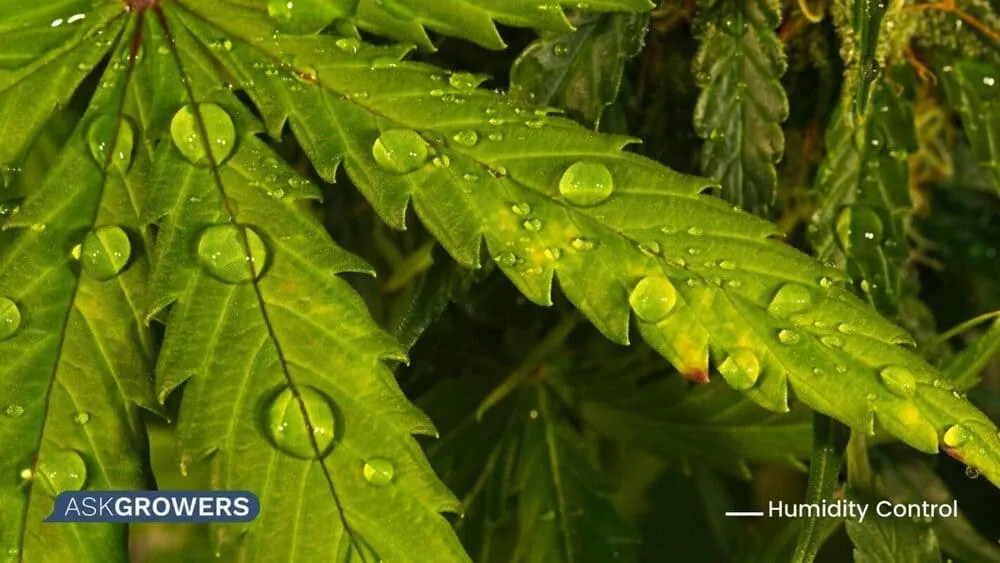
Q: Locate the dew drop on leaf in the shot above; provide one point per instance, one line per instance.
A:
(832, 341)
(788, 336)
(287, 429)
(972, 472)
(899, 381)
(222, 252)
(462, 81)
(187, 135)
(791, 298)
(378, 471)
(586, 183)
(521, 209)
(466, 137)
(653, 298)
(81, 418)
(532, 225)
(956, 436)
(61, 470)
(10, 318)
(348, 44)
(741, 369)
(100, 133)
(399, 151)
(105, 252)
(306, 16)
(14, 411)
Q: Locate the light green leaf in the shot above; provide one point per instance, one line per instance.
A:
(286, 392)
(963, 370)
(892, 539)
(710, 424)
(621, 232)
(75, 359)
(475, 20)
(742, 103)
(580, 72)
(972, 86)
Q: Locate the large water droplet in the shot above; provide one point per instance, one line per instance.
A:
(10, 318)
(791, 298)
(378, 471)
(187, 134)
(399, 150)
(287, 428)
(221, 251)
(788, 336)
(653, 299)
(100, 135)
(956, 435)
(463, 81)
(466, 137)
(741, 369)
(586, 183)
(61, 470)
(899, 380)
(105, 252)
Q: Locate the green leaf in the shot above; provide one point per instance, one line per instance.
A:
(75, 360)
(893, 539)
(580, 72)
(474, 20)
(829, 442)
(286, 392)
(972, 86)
(621, 232)
(710, 424)
(963, 370)
(742, 103)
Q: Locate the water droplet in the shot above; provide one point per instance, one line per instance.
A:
(463, 81)
(466, 137)
(289, 430)
(956, 436)
(105, 252)
(832, 341)
(859, 228)
(791, 298)
(348, 44)
(560, 50)
(10, 318)
(532, 225)
(695, 231)
(102, 133)
(727, 265)
(61, 470)
(826, 283)
(581, 243)
(972, 472)
(653, 298)
(521, 209)
(899, 380)
(845, 328)
(741, 369)
(399, 150)
(586, 183)
(14, 411)
(378, 471)
(650, 248)
(222, 252)
(506, 259)
(187, 134)
(81, 418)
(788, 336)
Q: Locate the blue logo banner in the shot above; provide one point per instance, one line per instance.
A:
(155, 506)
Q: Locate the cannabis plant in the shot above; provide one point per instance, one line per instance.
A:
(637, 267)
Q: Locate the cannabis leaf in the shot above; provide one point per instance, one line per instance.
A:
(620, 231)
(742, 103)
(286, 391)
(75, 360)
(971, 87)
(582, 71)
(405, 20)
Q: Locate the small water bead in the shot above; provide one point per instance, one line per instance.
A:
(956, 436)
(105, 252)
(727, 265)
(187, 134)
(495, 136)
(348, 44)
(506, 259)
(289, 430)
(521, 209)
(14, 411)
(845, 328)
(695, 231)
(105, 130)
(442, 161)
(221, 251)
(378, 471)
(832, 341)
(899, 380)
(586, 183)
(399, 151)
(788, 336)
(825, 283)
(308, 16)
(466, 138)
(532, 225)
(81, 418)
(653, 298)
(741, 369)
(463, 81)
(972, 472)
(61, 470)
(10, 318)
(650, 248)
(581, 243)
(791, 298)
(694, 251)
(859, 228)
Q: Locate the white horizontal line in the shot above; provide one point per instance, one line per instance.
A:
(744, 513)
